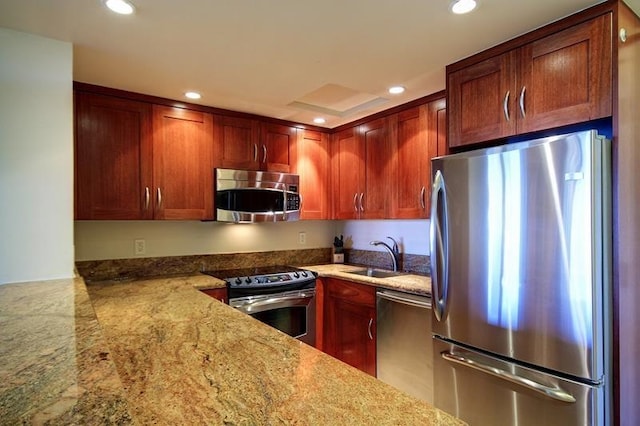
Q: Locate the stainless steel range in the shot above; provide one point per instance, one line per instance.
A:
(280, 296)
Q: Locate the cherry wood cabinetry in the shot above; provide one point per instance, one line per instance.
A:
(417, 135)
(563, 78)
(311, 152)
(361, 171)
(138, 161)
(217, 293)
(113, 158)
(349, 323)
(182, 163)
(248, 144)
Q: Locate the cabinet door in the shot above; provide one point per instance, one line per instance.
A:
(481, 101)
(566, 77)
(236, 143)
(347, 167)
(350, 324)
(410, 177)
(217, 293)
(312, 164)
(182, 163)
(374, 200)
(276, 147)
(113, 158)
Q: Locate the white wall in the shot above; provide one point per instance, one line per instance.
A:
(412, 235)
(36, 158)
(96, 240)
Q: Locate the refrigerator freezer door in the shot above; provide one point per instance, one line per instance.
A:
(521, 250)
(482, 390)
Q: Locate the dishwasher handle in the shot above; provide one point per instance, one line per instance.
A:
(424, 303)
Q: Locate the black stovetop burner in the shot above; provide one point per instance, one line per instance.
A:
(264, 280)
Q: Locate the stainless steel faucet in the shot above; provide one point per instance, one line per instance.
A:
(393, 251)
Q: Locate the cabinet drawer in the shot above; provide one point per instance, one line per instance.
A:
(353, 292)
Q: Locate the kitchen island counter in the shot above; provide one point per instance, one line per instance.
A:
(164, 353)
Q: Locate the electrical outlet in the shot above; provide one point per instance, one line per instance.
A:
(139, 246)
(302, 238)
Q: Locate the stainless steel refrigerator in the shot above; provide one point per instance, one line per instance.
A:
(520, 242)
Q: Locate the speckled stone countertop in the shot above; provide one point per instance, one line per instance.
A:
(55, 365)
(185, 358)
(411, 283)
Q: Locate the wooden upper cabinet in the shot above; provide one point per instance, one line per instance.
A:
(373, 200)
(347, 167)
(417, 135)
(481, 100)
(276, 147)
(565, 78)
(247, 144)
(236, 143)
(561, 79)
(113, 158)
(182, 163)
(312, 164)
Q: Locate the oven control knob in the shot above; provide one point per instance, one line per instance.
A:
(248, 280)
(295, 274)
(238, 281)
(304, 274)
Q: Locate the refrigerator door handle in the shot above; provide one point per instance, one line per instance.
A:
(552, 392)
(439, 246)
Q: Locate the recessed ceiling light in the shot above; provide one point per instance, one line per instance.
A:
(463, 6)
(120, 6)
(319, 120)
(396, 90)
(193, 95)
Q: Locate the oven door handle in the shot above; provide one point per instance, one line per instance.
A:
(276, 302)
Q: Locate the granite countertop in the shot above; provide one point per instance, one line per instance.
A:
(55, 365)
(411, 283)
(165, 353)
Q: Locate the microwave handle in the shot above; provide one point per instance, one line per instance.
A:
(284, 202)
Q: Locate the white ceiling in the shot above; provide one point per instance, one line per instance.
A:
(260, 56)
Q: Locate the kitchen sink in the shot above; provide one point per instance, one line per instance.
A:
(376, 273)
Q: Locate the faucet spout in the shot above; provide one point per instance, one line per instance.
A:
(393, 251)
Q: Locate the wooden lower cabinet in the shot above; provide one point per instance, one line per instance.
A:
(217, 293)
(349, 323)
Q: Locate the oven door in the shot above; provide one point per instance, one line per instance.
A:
(292, 312)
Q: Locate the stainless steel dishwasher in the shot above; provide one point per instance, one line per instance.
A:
(404, 343)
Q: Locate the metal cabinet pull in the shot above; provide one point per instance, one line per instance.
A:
(264, 153)
(147, 198)
(524, 88)
(505, 105)
(361, 204)
(423, 204)
(159, 197)
(555, 393)
(255, 152)
(355, 200)
(369, 329)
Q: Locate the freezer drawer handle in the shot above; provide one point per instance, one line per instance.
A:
(555, 393)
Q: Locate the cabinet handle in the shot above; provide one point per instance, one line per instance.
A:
(524, 88)
(355, 200)
(147, 198)
(361, 204)
(264, 153)
(422, 194)
(369, 329)
(505, 105)
(255, 152)
(159, 197)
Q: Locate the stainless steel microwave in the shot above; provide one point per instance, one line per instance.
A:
(246, 196)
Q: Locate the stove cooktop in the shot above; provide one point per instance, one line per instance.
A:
(278, 276)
